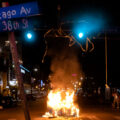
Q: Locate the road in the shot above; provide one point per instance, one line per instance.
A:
(37, 109)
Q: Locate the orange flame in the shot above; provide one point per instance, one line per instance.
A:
(61, 103)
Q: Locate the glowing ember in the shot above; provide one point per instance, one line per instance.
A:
(61, 104)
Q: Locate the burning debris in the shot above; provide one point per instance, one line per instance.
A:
(64, 63)
(61, 103)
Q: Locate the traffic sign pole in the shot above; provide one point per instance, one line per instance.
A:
(18, 72)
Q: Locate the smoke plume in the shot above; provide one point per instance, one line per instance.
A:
(64, 65)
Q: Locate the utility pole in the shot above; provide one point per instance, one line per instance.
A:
(106, 71)
(15, 59)
(107, 88)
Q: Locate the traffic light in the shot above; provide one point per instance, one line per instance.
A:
(80, 35)
(29, 36)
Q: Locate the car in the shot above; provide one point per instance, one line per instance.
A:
(6, 101)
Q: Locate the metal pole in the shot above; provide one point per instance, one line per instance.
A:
(106, 59)
(107, 88)
(17, 70)
(31, 82)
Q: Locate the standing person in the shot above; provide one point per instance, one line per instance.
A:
(1, 107)
(119, 100)
(115, 100)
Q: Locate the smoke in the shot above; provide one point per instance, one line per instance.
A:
(63, 65)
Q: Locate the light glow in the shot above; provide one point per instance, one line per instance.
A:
(62, 104)
(29, 35)
(13, 83)
(80, 35)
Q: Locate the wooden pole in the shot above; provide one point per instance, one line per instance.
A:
(18, 74)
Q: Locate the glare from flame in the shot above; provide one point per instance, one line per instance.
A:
(62, 104)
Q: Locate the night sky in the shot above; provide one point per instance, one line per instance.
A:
(93, 63)
(72, 10)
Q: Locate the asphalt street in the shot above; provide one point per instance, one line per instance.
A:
(38, 108)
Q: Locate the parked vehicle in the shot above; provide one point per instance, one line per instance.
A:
(6, 101)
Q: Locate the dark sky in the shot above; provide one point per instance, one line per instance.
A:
(109, 9)
(93, 63)
(71, 10)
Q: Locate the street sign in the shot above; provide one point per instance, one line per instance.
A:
(16, 24)
(18, 11)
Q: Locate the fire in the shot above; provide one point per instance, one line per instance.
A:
(61, 103)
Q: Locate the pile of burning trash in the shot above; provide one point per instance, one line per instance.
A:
(61, 104)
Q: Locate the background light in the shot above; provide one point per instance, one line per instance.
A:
(13, 83)
(80, 35)
(35, 69)
(87, 24)
(29, 35)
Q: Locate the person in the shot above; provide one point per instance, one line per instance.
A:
(115, 100)
(119, 100)
(1, 107)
